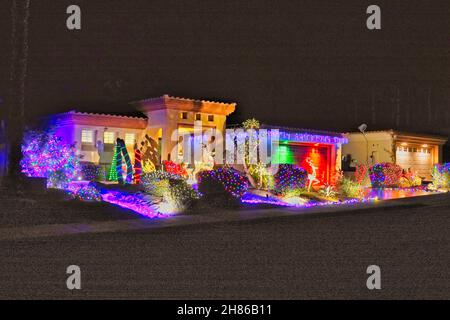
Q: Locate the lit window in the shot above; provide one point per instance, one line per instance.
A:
(87, 136)
(198, 117)
(183, 115)
(108, 137)
(130, 139)
(210, 118)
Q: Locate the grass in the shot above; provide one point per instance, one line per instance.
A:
(54, 207)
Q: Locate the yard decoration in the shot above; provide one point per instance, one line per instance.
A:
(440, 177)
(119, 170)
(349, 188)
(216, 182)
(91, 172)
(46, 156)
(175, 168)
(289, 178)
(112, 176)
(385, 174)
(410, 179)
(120, 155)
(126, 156)
(173, 191)
(312, 177)
(88, 193)
(148, 166)
(137, 165)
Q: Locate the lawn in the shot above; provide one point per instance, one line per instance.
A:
(54, 207)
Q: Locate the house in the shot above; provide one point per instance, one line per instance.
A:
(418, 152)
(95, 134)
(165, 121)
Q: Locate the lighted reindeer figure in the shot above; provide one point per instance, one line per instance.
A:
(312, 178)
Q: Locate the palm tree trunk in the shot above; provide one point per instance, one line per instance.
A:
(20, 10)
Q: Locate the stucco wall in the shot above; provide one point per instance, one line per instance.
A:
(379, 148)
(169, 120)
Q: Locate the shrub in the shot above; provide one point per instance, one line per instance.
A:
(441, 176)
(174, 191)
(385, 174)
(361, 173)
(289, 178)
(88, 193)
(328, 191)
(46, 156)
(409, 180)
(261, 176)
(175, 168)
(91, 172)
(349, 188)
(227, 183)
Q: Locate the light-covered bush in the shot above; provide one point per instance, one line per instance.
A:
(175, 193)
(45, 155)
(385, 174)
(223, 183)
(88, 193)
(441, 176)
(289, 178)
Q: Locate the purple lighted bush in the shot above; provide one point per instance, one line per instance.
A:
(289, 178)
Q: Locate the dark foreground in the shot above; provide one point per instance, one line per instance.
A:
(309, 256)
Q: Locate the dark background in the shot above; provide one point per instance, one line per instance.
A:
(295, 63)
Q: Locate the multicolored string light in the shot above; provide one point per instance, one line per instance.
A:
(233, 181)
(137, 166)
(289, 177)
(46, 156)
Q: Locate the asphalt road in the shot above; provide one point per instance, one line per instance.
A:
(306, 256)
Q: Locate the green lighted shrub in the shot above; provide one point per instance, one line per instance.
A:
(441, 176)
(349, 188)
(261, 176)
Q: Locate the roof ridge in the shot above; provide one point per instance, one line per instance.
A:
(104, 114)
(168, 96)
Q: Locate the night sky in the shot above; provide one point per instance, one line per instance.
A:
(296, 63)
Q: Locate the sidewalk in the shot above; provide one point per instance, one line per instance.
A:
(56, 230)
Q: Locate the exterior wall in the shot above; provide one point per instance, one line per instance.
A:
(388, 146)
(379, 147)
(169, 120)
(92, 154)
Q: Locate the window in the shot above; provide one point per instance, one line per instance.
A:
(210, 117)
(108, 137)
(87, 136)
(130, 139)
(183, 115)
(198, 117)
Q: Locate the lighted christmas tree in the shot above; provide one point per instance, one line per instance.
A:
(112, 176)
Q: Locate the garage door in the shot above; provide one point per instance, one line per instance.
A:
(418, 159)
(298, 154)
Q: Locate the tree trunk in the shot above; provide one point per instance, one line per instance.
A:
(16, 102)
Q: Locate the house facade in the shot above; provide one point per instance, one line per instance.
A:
(167, 120)
(417, 152)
